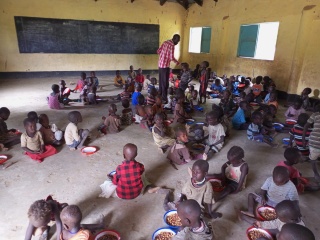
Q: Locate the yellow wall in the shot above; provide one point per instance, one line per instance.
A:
(297, 43)
(170, 17)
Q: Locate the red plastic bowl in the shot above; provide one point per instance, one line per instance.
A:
(107, 232)
(265, 232)
(263, 208)
(215, 188)
(3, 159)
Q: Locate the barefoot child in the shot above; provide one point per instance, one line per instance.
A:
(162, 134)
(129, 181)
(54, 100)
(179, 113)
(127, 115)
(148, 120)
(140, 112)
(194, 227)
(40, 213)
(33, 144)
(158, 107)
(274, 190)
(239, 121)
(8, 137)
(118, 80)
(293, 156)
(294, 111)
(73, 136)
(179, 153)
(256, 132)
(233, 173)
(112, 122)
(198, 189)
(49, 137)
(216, 132)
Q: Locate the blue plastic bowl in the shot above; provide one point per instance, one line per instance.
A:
(278, 126)
(190, 121)
(168, 213)
(286, 141)
(160, 230)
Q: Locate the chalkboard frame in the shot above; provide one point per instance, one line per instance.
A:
(49, 35)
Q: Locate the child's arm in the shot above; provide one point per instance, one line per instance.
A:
(263, 194)
(244, 172)
(29, 231)
(308, 125)
(57, 219)
(292, 139)
(221, 140)
(160, 131)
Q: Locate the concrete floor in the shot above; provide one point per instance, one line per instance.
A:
(75, 179)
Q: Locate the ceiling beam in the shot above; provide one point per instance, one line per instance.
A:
(162, 2)
(199, 2)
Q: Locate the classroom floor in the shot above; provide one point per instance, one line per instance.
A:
(75, 179)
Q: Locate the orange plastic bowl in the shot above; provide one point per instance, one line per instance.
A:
(88, 150)
(261, 209)
(264, 232)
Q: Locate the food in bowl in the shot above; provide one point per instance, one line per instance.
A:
(3, 159)
(267, 213)
(108, 237)
(255, 233)
(216, 185)
(164, 236)
(198, 147)
(173, 220)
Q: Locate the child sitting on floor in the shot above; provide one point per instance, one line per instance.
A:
(8, 137)
(194, 227)
(139, 77)
(71, 217)
(146, 82)
(293, 156)
(112, 122)
(233, 173)
(64, 92)
(256, 132)
(274, 190)
(151, 98)
(296, 134)
(140, 112)
(152, 84)
(148, 120)
(40, 213)
(50, 134)
(34, 116)
(129, 180)
(194, 104)
(54, 100)
(158, 107)
(224, 120)
(227, 104)
(257, 89)
(186, 77)
(91, 92)
(216, 89)
(95, 79)
(81, 83)
(239, 121)
(135, 96)
(73, 136)
(118, 80)
(294, 111)
(132, 74)
(198, 189)
(294, 231)
(273, 100)
(127, 114)
(179, 113)
(168, 105)
(179, 153)
(162, 134)
(33, 144)
(287, 212)
(216, 132)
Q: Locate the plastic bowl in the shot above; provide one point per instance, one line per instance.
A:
(88, 150)
(112, 173)
(167, 122)
(107, 232)
(198, 147)
(254, 104)
(262, 209)
(286, 141)
(189, 121)
(278, 126)
(264, 232)
(200, 123)
(291, 121)
(161, 230)
(168, 213)
(214, 182)
(3, 159)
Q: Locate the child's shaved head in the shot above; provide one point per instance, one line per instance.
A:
(4, 113)
(202, 164)
(288, 211)
(292, 231)
(71, 217)
(179, 131)
(74, 116)
(189, 212)
(130, 151)
(280, 175)
(112, 108)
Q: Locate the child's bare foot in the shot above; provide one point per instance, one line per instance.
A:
(249, 214)
(72, 149)
(153, 190)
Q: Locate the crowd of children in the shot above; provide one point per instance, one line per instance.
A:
(173, 129)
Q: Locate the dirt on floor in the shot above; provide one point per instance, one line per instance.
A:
(73, 178)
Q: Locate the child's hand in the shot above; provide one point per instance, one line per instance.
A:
(263, 200)
(257, 224)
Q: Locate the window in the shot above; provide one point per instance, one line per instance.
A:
(199, 40)
(258, 41)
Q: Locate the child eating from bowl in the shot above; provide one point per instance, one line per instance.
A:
(32, 142)
(194, 227)
(179, 153)
(233, 173)
(294, 111)
(8, 137)
(73, 136)
(129, 181)
(50, 134)
(287, 212)
(162, 134)
(274, 190)
(112, 122)
(198, 189)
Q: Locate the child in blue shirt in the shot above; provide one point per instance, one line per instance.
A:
(216, 89)
(136, 94)
(239, 120)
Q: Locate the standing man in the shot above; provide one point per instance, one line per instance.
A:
(166, 55)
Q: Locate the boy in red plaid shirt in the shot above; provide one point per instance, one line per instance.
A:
(129, 180)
